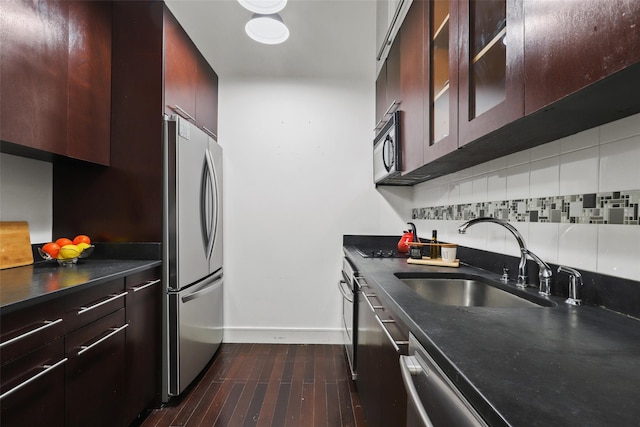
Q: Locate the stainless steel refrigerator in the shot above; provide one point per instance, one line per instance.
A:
(192, 251)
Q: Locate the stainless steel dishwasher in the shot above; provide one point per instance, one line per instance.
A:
(432, 399)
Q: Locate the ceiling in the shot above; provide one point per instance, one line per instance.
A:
(329, 39)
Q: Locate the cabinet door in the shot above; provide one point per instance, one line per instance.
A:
(89, 114)
(442, 121)
(180, 65)
(393, 73)
(33, 388)
(381, 94)
(33, 65)
(95, 373)
(413, 120)
(207, 96)
(369, 343)
(393, 394)
(144, 336)
(572, 44)
(491, 78)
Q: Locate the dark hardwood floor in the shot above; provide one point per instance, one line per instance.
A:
(276, 385)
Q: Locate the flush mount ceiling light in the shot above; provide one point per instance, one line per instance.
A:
(267, 29)
(263, 7)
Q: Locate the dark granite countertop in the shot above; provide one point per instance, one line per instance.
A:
(540, 366)
(21, 287)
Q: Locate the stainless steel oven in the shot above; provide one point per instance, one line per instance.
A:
(349, 313)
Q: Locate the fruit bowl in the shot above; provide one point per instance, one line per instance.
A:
(67, 261)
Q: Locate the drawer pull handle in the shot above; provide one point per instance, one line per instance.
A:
(114, 331)
(47, 324)
(183, 112)
(108, 300)
(371, 306)
(146, 285)
(47, 368)
(388, 334)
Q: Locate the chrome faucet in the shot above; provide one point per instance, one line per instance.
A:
(545, 273)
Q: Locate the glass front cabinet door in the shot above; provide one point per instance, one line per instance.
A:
(491, 60)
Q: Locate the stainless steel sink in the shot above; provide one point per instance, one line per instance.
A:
(470, 293)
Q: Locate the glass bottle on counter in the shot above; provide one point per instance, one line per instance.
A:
(434, 252)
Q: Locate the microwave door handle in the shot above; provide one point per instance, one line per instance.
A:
(387, 151)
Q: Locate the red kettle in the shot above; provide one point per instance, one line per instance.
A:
(408, 237)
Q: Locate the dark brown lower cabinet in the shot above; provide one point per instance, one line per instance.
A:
(381, 341)
(95, 374)
(32, 388)
(144, 346)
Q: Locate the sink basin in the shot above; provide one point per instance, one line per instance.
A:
(463, 292)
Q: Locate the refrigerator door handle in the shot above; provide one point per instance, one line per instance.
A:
(208, 205)
(203, 291)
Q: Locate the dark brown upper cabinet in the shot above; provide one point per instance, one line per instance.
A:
(442, 78)
(89, 114)
(56, 74)
(413, 120)
(491, 66)
(388, 90)
(34, 60)
(190, 84)
(571, 45)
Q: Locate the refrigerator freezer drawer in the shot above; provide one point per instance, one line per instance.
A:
(195, 330)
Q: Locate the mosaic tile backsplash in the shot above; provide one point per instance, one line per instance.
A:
(616, 207)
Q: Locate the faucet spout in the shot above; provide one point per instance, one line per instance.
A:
(522, 281)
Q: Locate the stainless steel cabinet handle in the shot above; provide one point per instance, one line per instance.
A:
(343, 292)
(108, 300)
(183, 112)
(85, 348)
(409, 366)
(48, 368)
(47, 324)
(146, 285)
(393, 342)
(360, 282)
(371, 306)
(211, 133)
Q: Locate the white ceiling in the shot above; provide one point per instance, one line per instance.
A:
(329, 38)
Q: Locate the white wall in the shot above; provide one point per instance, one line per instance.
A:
(602, 159)
(297, 176)
(26, 194)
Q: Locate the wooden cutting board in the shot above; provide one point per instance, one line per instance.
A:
(438, 261)
(15, 244)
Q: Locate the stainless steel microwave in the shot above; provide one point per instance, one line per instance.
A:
(387, 156)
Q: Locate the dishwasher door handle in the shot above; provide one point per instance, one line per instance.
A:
(409, 367)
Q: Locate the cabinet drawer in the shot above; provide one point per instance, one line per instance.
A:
(25, 330)
(96, 362)
(32, 389)
(92, 304)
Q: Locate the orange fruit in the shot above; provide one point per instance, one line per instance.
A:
(81, 238)
(63, 241)
(52, 249)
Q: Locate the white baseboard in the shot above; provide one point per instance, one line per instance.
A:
(283, 335)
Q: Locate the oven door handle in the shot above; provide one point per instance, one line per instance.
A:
(344, 293)
(409, 367)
